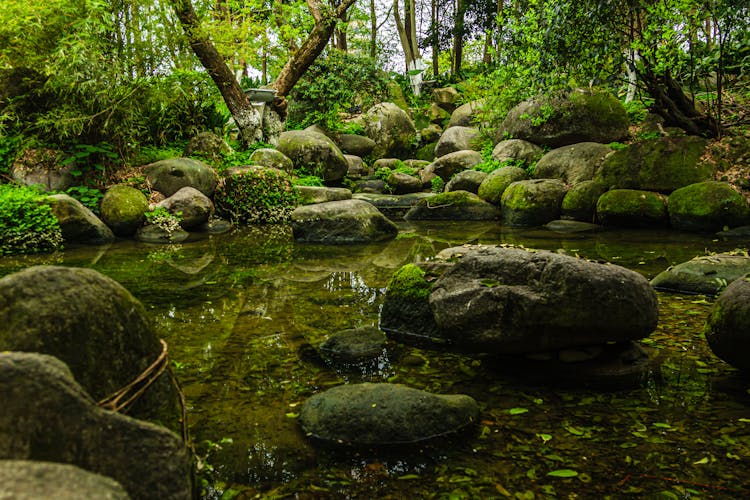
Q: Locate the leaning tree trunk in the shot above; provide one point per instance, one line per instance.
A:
(247, 118)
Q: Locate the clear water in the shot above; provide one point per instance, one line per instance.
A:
(243, 312)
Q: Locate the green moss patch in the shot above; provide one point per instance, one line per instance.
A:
(409, 283)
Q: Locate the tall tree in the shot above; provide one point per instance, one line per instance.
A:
(407, 33)
(254, 127)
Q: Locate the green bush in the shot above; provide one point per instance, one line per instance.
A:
(308, 180)
(257, 196)
(26, 224)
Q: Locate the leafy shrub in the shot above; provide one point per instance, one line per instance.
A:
(90, 197)
(336, 83)
(308, 180)
(257, 196)
(9, 147)
(161, 217)
(27, 225)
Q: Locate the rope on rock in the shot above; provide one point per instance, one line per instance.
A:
(121, 400)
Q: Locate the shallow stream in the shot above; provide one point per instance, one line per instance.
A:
(243, 312)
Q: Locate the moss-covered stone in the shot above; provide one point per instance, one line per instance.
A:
(494, 185)
(123, 209)
(426, 152)
(707, 206)
(256, 195)
(579, 202)
(632, 208)
(313, 153)
(171, 175)
(453, 205)
(409, 283)
(661, 165)
(532, 202)
(728, 325)
(578, 116)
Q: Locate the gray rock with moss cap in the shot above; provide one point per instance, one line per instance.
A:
(267, 157)
(450, 164)
(707, 206)
(492, 188)
(632, 208)
(661, 165)
(341, 222)
(313, 153)
(46, 415)
(453, 205)
(468, 180)
(457, 139)
(123, 209)
(728, 325)
(532, 203)
(510, 300)
(706, 275)
(572, 164)
(392, 130)
(517, 151)
(579, 202)
(384, 414)
(578, 116)
(77, 222)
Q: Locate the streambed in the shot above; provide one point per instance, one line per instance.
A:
(242, 313)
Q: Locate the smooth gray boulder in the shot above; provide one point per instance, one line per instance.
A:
(357, 167)
(341, 222)
(392, 130)
(267, 157)
(123, 209)
(457, 139)
(194, 207)
(728, 325)
(468, 180)
(532, 202)
(91, 323)
(517, 151)
(34, 480)
(453, 205)
(46, 415)
(391, 205)
(354, 345)
(208, 145)
(467, 114)
(310, 195)
(581, 115)
(572, 164)
(313, 153)
(450, 164)
(445, 97)
(42, 167)
(705, 275)
(169, 176)
(402, 183)
(507, 300)
(358, 145)
(77, 222)
(384, 414)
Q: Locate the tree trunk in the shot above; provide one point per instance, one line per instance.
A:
(435, 18)
(458, 38)
(373, 31)
(247, 118)
(407, 33)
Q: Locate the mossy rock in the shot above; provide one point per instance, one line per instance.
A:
(494, 185)
(579, 202)
(728, 325)
(392, 130)
(578, 116)
(661, 165)
(707, 206)
(313, 153)
(123, 209)
(267, 157)
(256, 195)
(705, 275)
(426, 152)
(572, 164)
(532, 203)
(171, 175)
(354, 345)
(632, 208)
(453, 205)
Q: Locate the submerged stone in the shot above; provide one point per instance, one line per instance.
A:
(384, 414)
(353, 345)
(706, 275)
(337, 222)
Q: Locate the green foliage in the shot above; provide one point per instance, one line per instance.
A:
(27, 225)
(257, 196)
(161, 217)
(238, 157)
(9, 148)
(335, 83)
(90, 159)
(308, 180)
(637, 111)
(437, 184)
(88, 196)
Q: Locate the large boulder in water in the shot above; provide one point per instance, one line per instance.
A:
(391, 129)
(345, 221)
(706, 275)
(494, 185)
(661, 165)
(313, 153)
(577, 116)
(453, 205)
(91, 323)
(384, 414)
(30, 480)
(632, 208)
(46, 415)
(532, 202)
(169, 176)
(707, 206)
(77, 222)
(509, 300)
(728, 325)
